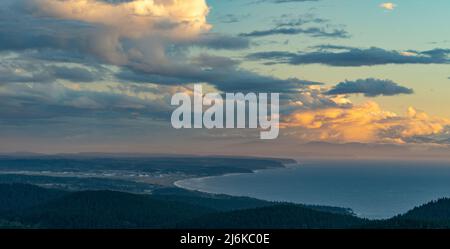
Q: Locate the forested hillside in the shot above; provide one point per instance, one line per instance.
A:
(29, 206)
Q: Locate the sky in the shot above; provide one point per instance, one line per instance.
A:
(98, 75)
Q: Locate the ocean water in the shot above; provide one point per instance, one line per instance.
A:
(373, 189)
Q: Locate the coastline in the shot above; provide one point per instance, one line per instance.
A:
(179, 183)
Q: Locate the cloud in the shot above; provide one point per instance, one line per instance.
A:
(287, 21)
(287, 1)
(219, 41)
(370, 88)
(311, 98)
(228, 79)
(287, 25)
(15, 68)
(116, 32)
(135, 54)
(149, 40)
(388, 6)
(175, 19)
(342, 56)
(232, 18)
(75, 74)
(34, 101)
(313, 32)
(366, 123)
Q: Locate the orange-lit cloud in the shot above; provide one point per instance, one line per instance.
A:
(388, 6)
(174, 18)
(363, 123)
(130, 31)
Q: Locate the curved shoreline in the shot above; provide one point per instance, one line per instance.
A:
(179, 183)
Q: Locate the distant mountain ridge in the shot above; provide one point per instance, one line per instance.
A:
(21, 154)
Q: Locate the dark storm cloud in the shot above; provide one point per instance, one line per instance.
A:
(353, 57)
(370, 88)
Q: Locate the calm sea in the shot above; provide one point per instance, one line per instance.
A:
(373, 189)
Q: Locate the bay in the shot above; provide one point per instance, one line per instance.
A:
(373, 189)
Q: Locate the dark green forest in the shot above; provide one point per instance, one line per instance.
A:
(28, 206)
